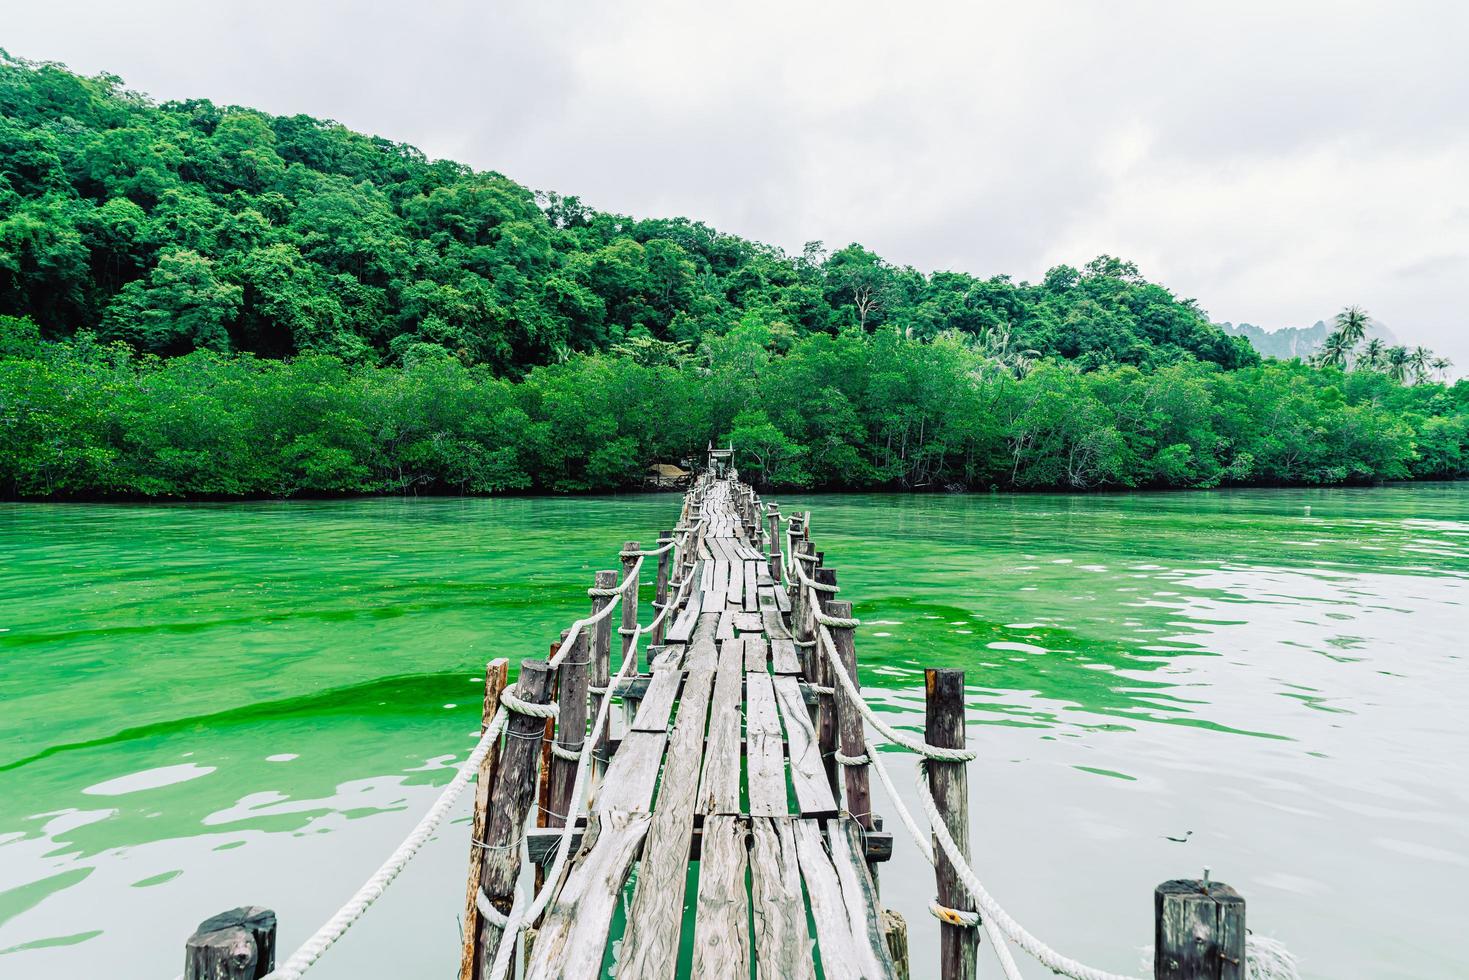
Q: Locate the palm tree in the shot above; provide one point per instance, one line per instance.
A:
(1421, 360)
(1351, 323)
(1335, 351)
(1441, 366)
(1372, 353)
(1397, 361)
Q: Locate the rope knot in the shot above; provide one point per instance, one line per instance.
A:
(531, 709)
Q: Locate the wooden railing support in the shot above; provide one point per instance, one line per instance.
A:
(234, 945)
(850, 738)
(772, 514)
(514, 792)
(497, 675)
(1199, 931)
(660, 591)
(949, 784)
(629, 603)
(571, 727)
(602, 663)
(826, 707)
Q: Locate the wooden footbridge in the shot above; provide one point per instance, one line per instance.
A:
(732, 800)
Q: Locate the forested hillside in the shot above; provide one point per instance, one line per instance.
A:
(206, 300)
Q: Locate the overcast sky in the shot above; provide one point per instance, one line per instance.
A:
(1276, 161)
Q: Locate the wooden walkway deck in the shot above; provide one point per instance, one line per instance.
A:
(721, 767)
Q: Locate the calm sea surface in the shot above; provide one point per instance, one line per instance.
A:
(209, 706)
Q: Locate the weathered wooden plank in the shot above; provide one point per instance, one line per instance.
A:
(702, 653)
(714, 597)
(688, 616)
(783, 659)
(719, 788)
(808, 776)
(722, 918)
(632, 773)
(571, 727)
(757, 652)
(748, 622)
(541, 842)
(764, 752)
(726, 625)
(783, 600)
(765, 598)
(572, 936)
(775, 626)
(751, 593)
(735, 590)
(650, 946)
(657, 705)
(782, 942)
(839, 955)
(859, 891)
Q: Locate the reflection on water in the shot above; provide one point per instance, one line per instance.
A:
(206, 706)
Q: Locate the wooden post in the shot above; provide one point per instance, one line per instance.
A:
(850, 738)
(895, 934)
(601, 664)
(514, 792)
(1199, 931)
(826, 708)
(497, 675)
(571, 727)
(773, 513)
(234, 945)
(629, 603)
(660, 592)
(949, 784)
(801, 619)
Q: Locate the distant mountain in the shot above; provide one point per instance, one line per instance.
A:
(1288, 342)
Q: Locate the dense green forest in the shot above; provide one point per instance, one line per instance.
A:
(211, 301)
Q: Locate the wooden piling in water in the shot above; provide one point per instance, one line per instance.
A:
(660, 591)
(826, 711)
(1199, 931)
(234, 945)
(949, 784)
(629, 602)
(497, 675)
(772, 514)
(850, 738)
(515, 786)
(572, 678)
(602, 662)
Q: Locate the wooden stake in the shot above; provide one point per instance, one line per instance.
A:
(601, 664)
(234, 945)
(949, 784)
(571, 728)
(850, 738)
(660, 592)
(775, 545)
(497, 674)
(1199, 931)
(514, 792)
(826, 709)
(895, 933)
(629, 603)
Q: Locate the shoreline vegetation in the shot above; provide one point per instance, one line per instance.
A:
(204, 302)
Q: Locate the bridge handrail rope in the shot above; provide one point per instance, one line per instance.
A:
(994, 919)
(372, 889)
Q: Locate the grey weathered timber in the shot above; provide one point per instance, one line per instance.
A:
(571, 727)
(734, 593)
(949, 784)
(632, 773)
(850, 738)
(752, 597)
(826, 708)
(839, 954)
(688, 616)
(629, 603)
(782, 943)
(660, 590)
(726, 625)
(808, 778)
(650, 946)
(757, 652)
(773, 515)
(234, 945)
(571, 938)
(864, 913)
(722, 917)
(764, 752)
(783, 659)
(719, 788)
(701, 653)
(747, 622)
(497, 675)
(895, 933)
(775, 627)
(541, 842)
(715, 595)
(657, 704)
(515, 786)
(602, 662)
(1199, 931)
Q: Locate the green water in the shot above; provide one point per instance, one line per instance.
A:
(207, 706)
